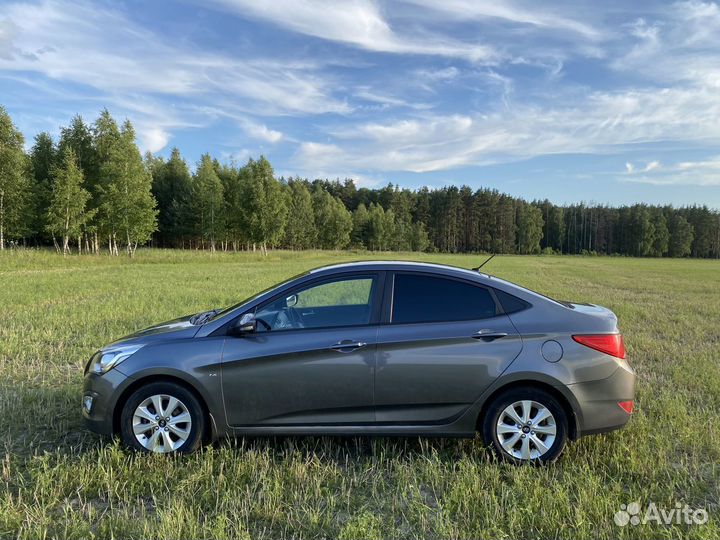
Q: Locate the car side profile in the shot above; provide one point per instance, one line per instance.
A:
(370, 348)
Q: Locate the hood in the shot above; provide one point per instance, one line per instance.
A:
(180, 328)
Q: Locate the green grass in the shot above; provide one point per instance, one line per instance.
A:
(56, 480)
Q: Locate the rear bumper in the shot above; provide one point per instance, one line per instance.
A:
(598, 401)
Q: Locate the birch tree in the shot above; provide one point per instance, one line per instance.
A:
(332, 220)
(79, 137)
(265, 205)
(127, 206)
(300, 231)
(67, 213)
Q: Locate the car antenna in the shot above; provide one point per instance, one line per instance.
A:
(477, 269)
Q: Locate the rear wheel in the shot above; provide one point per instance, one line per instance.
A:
(163, 418)
(526, 425)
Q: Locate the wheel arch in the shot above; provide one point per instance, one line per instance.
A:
(210, 427)
(563, 399)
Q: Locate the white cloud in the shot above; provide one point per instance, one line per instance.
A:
(152, 139)
(604, 121)
(262, 132)
(679, 46)
(132, 70)
(698, 173)
(512, 11)
(7, 34)
(631, 168)
(651, 166)
(359, 23)
(320, 156)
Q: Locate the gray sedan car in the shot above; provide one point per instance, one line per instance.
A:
(370, 348)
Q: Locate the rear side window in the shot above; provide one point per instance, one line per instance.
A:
(510, 303)
(418, 298)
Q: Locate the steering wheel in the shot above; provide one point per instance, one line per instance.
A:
(264, 323)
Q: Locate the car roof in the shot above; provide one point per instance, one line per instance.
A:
(398, 265)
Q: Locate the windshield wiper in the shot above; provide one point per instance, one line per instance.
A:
(203, 317)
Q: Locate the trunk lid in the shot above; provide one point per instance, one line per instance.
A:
(592, 310)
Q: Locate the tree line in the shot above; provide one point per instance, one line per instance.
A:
(92, 190)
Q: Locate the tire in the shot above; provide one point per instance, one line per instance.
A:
(182, 434)
(528, 443)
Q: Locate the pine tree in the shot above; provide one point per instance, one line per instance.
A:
(233, 182)
(300, 232)
(401, 207)
(67, 210)
(15, 190)
(42, 157)
(208, 202)
(172, 189)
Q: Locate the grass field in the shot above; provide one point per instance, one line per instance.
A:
(56, 480)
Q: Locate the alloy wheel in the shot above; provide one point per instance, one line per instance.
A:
(526, 429)
(162, 423)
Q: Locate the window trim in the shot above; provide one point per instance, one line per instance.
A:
(389, 298)
(376, 295)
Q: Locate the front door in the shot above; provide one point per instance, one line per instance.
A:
(445, 343)
(311, 360)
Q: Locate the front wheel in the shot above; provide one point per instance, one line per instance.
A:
(526, 425)
(162, 418)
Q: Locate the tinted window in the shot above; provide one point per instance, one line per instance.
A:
(510, 303)
(342, 302)
(418, 298)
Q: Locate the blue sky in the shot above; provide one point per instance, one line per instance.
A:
(608, 102)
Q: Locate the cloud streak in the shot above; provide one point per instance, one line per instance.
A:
(684, 173)
(357, 23)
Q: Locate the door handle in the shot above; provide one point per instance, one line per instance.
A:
(488, 335)
(347, 346)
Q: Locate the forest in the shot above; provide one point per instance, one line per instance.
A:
(92, 191)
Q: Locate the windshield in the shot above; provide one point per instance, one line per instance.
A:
(227, 310)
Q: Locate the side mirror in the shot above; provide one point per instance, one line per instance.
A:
(246, 325)
(291, 300)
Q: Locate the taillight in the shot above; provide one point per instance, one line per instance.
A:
(611, 344)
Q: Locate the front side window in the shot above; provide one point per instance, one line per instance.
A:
(341, 302)
(419, 298)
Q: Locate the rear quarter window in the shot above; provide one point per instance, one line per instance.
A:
(510, 303)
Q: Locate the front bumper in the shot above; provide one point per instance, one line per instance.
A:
(598, 409)
(104, 391)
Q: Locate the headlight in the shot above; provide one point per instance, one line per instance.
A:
(106, 359)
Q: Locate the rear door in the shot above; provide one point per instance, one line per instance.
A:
(311, 360)
(444, 341)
